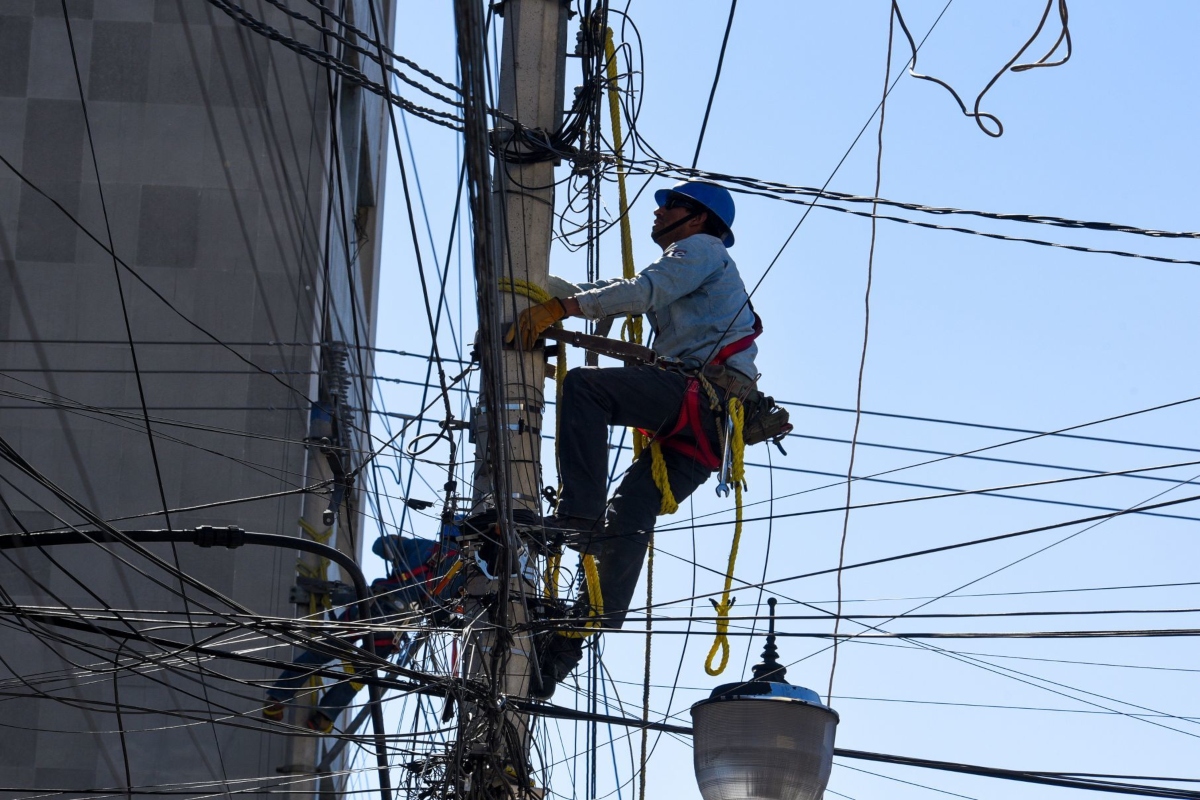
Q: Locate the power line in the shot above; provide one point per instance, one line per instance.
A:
(712, 93)
(862, 360)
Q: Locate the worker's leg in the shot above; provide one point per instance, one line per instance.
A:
(594, 399)
(621, 549)
(291, 680)
(339, 696)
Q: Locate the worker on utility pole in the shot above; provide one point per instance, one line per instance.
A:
(421, 574)
(704, 331)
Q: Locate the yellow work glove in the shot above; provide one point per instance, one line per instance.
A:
(533, 320)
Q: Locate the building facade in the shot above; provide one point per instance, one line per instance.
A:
(175, 179)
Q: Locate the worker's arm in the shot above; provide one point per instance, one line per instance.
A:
(682, 269)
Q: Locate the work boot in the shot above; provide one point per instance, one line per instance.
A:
(574, 532)
(557, 656)
(319, 722)
(273, 711)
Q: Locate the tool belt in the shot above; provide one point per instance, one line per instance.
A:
(764, 420)
(730, 381)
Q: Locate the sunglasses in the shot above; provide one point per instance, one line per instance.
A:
(679, 202)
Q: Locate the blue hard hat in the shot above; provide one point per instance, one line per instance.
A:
(714, 198)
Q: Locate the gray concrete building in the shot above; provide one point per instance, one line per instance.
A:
(174, 177)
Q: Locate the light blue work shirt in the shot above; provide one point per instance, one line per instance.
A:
(692, 295)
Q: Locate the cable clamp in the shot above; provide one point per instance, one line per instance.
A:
(231, 537)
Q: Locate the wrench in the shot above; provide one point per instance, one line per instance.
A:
(726, 459)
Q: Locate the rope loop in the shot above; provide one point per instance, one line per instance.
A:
(737, 474)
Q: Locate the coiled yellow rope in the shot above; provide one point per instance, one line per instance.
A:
(738, 475)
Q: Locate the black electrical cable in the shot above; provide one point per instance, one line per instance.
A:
(1047, 778)
(959, 545)
(862, 360)
(712, 93)
(141, 394)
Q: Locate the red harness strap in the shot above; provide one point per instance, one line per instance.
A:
(690, 420)
(420, 572)
(733, 348)
(690, 413)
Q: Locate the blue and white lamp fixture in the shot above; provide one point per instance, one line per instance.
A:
(763, 739)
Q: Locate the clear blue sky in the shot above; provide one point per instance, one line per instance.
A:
(962, 328)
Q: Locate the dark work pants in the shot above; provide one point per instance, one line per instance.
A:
(337, 698)
(639, 397)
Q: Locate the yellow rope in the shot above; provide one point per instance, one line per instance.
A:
(537, 294)
(631, 330)
(658, 467)
(738, 476)
(524, 288)
(551, 577)
(595, 600)
(320, 571)
(320, 536)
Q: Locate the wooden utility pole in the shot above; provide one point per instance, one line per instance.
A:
(513, 214)
(532, 67)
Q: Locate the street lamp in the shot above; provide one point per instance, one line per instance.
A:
(763, 739)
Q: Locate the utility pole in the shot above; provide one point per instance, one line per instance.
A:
(532, 72)
(513, 215)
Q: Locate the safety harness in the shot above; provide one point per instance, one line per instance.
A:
(690, 415)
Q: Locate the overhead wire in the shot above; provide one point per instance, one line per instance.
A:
(1012, 673)
(141, 397)
(862, 360)
(712, 93)
(114, 256)
(980, 116)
